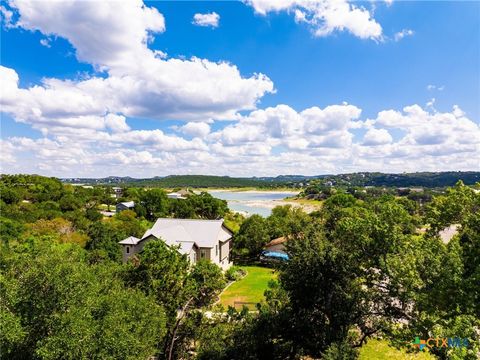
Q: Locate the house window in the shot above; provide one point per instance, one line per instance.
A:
(203, 254)
(128, 249)
(216, 250)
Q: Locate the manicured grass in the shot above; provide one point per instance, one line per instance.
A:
(380, 350)
(250, 288)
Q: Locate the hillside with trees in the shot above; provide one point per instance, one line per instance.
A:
(424, 179)
(174, 181)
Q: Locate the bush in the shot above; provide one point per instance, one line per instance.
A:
(340, 351)
(234, 273)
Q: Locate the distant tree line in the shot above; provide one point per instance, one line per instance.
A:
(419, 179)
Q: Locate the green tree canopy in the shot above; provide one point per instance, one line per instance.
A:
(60, 307)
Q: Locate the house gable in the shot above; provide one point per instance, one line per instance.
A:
(197, 239)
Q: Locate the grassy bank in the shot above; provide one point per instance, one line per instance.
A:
(376, 349)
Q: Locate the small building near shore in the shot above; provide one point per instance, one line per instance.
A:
(176, 195)
(181, 194)
(127, 205)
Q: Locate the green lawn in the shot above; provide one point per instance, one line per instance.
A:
(250, 288)
(380, 350)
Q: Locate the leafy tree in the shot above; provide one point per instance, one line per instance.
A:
(233, 221)
(133, 193)
(209, 281)
(326, 312)
(126, 222)
(182, 209)
(10, 195)
(162, 273)
(469, 242)
(206, 206)
(105, 237)
(340, 351)
(59, 229)
(286, 220)
(452, 208)
(93, 215)
(155, 202)
(248, 336)
(107, 198)
(9, 230)
(252, 237)
(340, 277)
(60, 307)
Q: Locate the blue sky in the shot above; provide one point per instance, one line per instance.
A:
(357, 97)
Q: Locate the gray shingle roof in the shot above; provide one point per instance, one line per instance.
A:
(131, 240)
(129, 204)
(204, 233)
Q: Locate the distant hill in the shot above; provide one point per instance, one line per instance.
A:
(172, 181)
(421, 179)
(425, 179)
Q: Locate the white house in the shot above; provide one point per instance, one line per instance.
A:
(181, 194)
(127, 205)
(175, 195)
(198, 239)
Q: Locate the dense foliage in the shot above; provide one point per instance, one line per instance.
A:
(368, 263)
(364, 268)
(56, 305)
(65, 294)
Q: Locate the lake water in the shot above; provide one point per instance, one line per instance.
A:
(251, 202)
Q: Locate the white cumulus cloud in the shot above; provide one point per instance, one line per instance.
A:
(377, 137)
(196, 129)
(209, 19)
(325, 16)
(140, 81)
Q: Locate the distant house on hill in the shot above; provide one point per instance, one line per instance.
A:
(198, 239)
(181, 194)
(175, 195)
(127, 205)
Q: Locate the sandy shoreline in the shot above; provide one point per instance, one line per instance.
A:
(270, 204)
(257, 191)
(265, 203)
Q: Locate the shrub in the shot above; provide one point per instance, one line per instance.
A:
(234, 273)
